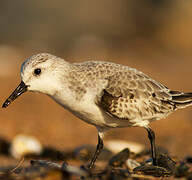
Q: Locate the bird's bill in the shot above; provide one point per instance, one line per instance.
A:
(16, 93)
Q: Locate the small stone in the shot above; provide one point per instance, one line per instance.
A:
(181, 170)
(120, 158)
(152, 170)
(189, 159)
(166, 162)
(118, 174)
(4, 146)
(23, 145)
(132, 164)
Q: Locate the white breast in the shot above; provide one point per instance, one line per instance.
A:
(85, 108)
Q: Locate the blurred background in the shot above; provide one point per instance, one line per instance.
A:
(154, 36)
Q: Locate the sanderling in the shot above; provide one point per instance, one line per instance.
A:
(104, 94)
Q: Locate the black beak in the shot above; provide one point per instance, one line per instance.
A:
(16, 93)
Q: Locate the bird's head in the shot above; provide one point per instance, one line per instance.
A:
(38, 73)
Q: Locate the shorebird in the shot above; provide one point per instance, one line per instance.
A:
(104, 94)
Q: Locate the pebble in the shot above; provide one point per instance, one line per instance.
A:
(23, 145)
(132, 164)
(182, 170)
(119, 159)
(156, 171)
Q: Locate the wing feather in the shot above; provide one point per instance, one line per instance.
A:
(132, 95)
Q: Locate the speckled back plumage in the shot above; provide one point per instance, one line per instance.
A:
(129, 93)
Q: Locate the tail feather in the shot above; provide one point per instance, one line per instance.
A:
(181, 100)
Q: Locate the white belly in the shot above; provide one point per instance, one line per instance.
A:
(87, 110)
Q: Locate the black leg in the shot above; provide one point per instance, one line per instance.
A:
(97, 152)
(151, 136)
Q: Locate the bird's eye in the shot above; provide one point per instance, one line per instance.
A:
(37, 71)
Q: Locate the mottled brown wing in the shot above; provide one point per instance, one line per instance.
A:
(132, 95)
